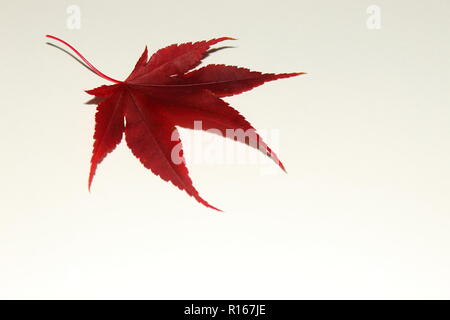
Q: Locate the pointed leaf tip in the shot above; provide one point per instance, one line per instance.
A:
(206, 204)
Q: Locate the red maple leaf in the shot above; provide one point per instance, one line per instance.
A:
(161, 93)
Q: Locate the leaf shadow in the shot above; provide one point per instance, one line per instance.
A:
(94, 100)
(70, 54)
(208, 53)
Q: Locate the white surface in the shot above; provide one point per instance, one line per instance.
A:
(363, 213)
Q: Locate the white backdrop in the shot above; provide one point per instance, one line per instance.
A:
(364, 211)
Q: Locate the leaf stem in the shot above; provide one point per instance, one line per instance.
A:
(94, 69)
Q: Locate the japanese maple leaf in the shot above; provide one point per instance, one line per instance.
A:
(164, 92)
